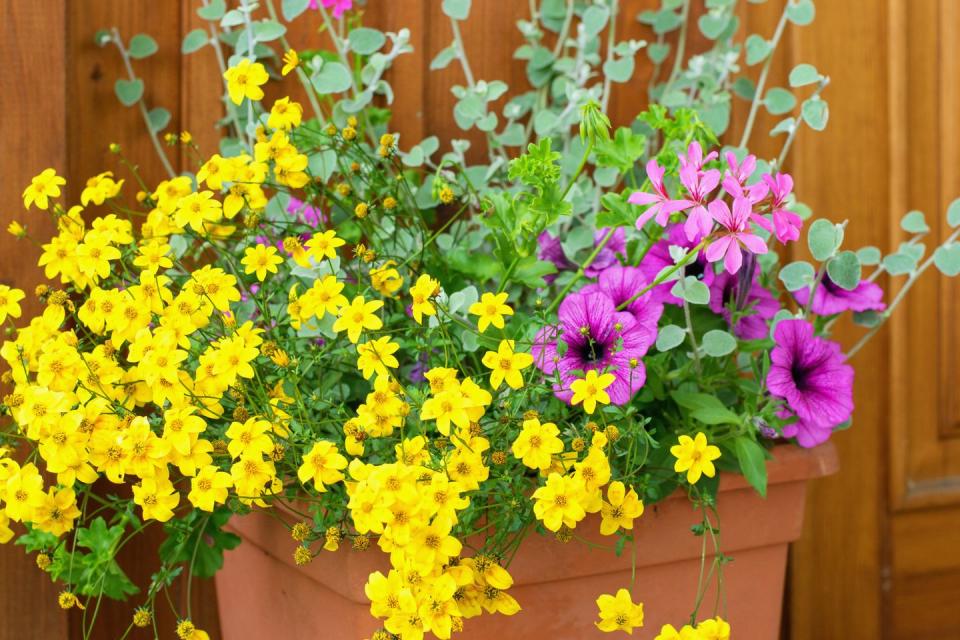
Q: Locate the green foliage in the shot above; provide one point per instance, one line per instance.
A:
(199, 540)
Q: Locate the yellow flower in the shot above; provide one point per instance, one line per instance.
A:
(323, 465)
(260, 259)
(153, 256)
(590, 390)
(714, 629)
(537, 443)
(100, 188)
(324, 245)
(56, 511)
(669, 632)
(16, 229)
(42, 187)
(244, 80)
(421, 292)
(619, 613)
(197, 210)
(559, 502)
(695, 457)
(10, 302)
(290, 62)
(357, 316)
(621, 510)
(376, 355)
(491, 308)
(249, 438)
(285, 114)
(157, 497)
(209, 487)
(506, 365)
(385, 278)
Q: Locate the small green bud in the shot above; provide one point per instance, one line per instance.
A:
(594, 123)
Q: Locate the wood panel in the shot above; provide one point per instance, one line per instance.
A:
(32, 126)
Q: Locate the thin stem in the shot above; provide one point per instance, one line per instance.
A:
(796, 127)
(611, 36)
(689, 322)
(301, 76)
(681, 48)
(221, 62)
(762, 80)
(118, 41)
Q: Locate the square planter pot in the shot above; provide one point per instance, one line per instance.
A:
(262, 593)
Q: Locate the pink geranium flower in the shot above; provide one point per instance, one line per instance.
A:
(661, 205)
(786, 224)
(694, 157)
(736, 176)
(338, 6)
(699, 185)
(736, 234)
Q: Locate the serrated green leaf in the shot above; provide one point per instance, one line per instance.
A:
(141, 46)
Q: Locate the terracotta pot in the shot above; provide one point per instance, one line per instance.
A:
(263, 594)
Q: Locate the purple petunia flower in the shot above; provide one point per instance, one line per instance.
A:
(597, 337)
(608, 255)
(552, 251)
(811, 375)
(622, 283)
(829, 298)
(760, 304)
(306, 213)
(658, 258)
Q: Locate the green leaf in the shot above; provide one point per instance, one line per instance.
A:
(797, 275)
(824, 239)
(621, 151)
(616, 212)
(914, 222)
(576, 240)
(953, 213)
(194, 41)
(128, 92)
(293, 8)
(869, 256)
(670, 336)
(333, 77)
(692, 290)
(801, 12)
(200, 536)
(715, 415)
(619, 69)
(867, 318)
(844, 270)
(268, 30)
(694, 401)
(779, 101)
(457, 9)
(443, 58)
(718, 343)
(141, 46)
(214, 10)
(947, 259)
(745, 88)
(899, 263)
(595, 19)
(804, 74)
(530, 271)
(758, 48)
(784, 126)
(366, 41)
(712, 24)
(815, 113)
(158, 118)
(753, 464)
(658, 52)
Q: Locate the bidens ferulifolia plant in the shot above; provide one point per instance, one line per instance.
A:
(410, 351)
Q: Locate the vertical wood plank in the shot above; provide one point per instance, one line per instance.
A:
(32, 126)
(841, 173)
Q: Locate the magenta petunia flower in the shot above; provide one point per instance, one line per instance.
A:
(597, 337)
(760, 305)
(622, 283)
(829, 298)
(617, 245)
(736, 233)
(810, 374)
(658, 258)
(552, 251)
